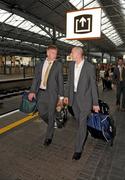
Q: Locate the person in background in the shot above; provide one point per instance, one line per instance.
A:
(119, 81)
(107, 78)
(102, 76)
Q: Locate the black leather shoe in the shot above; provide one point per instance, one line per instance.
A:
(77, 155)
(47, 142)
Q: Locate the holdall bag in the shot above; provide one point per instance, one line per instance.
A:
(61, 117)
(27, 106)
(104, 107)
(99, 125)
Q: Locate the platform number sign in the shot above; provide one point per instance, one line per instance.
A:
(84, 24)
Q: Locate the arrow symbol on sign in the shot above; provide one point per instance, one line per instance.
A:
(82, 21)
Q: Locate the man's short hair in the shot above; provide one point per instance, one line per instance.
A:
(120, 58)
(80, 49)
(52, 47)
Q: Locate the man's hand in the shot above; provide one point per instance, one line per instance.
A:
(60, 103)
(66, 101)
(113, 86)
(96, 109)
(31, 96)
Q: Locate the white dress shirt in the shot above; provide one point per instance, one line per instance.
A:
(45, 65)
(120, 70)
(77, 72)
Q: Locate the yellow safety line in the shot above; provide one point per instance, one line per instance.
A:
(17, 123)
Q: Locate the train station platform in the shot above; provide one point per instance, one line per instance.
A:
(7, 78)
(24, 157)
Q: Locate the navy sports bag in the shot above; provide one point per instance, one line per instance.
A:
(100, 126)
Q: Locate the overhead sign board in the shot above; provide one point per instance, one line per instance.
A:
(84, 24)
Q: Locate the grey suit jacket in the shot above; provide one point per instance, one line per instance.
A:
(116, 76)
(87, 94)
(55, 84)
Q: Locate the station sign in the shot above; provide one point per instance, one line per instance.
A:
(84, 24)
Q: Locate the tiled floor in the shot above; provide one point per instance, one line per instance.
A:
(23, 156)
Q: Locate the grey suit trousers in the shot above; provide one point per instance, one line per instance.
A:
(81, 120)
(46, 110)
(120, 91)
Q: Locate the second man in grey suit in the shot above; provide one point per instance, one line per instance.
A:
(81, 95)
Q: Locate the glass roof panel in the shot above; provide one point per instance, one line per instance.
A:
(106, 25)
(105, 20)
(14, 20)
(26, 25)
(72, 42)
(35, 29)
(87, 2)
(4, 15)
(112, 32)
(93, 4)
(43, 33)
(77, 3)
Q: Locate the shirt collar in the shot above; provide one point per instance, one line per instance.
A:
(120, 67)
(49, 61)
(80, 64)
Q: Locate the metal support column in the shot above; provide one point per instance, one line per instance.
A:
(88, 51)
(5, 65)
(54, 39)
(110, 58)
(102, 57)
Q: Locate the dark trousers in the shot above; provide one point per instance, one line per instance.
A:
(120, 91)
(81, 120)
(46, 110)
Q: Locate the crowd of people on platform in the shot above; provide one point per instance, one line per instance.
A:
(113, 76)
(105, 74)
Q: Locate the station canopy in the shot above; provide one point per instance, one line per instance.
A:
(28, 27)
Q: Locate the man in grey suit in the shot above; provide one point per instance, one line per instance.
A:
(119, 80)
(48, 89)
(81, 95)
